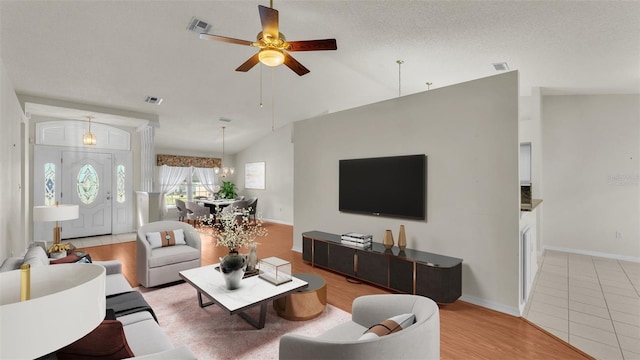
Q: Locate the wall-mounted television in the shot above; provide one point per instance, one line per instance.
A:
(394, 186)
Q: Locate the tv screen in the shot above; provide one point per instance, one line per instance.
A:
(388, 186)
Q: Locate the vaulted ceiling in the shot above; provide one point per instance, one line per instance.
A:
(113, 54)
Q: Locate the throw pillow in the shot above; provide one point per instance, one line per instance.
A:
(73, 258)
(391, 325)
(107, 342)
(166, 238)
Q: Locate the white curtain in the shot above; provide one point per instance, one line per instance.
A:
(170, 178)
(207, 179)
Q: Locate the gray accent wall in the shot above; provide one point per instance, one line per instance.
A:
(469, 133)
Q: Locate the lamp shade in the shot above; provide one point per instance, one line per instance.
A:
(56, 212)
(67, 302)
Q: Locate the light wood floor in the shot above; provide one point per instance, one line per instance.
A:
(467, 331)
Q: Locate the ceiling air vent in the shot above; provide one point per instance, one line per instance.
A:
(225, 120)
(198, 26)
(501, 66)
(153, 100)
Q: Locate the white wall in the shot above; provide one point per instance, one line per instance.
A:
(12, 211)
(275, 203)
(469, 132)
(591, 159)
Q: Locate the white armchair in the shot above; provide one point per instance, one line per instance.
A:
(418, 341)
(160, 265)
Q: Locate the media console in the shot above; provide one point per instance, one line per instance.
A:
(410, 271)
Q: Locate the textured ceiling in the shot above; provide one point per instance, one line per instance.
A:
(113, 54)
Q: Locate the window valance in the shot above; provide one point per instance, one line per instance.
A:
(186, 161)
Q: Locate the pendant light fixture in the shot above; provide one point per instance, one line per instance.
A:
(225, 171)
(89, 138)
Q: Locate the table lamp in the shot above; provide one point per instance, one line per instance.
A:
(56, 213)
(67, 301)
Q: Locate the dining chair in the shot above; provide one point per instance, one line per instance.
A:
(253, 205)
(182, 209)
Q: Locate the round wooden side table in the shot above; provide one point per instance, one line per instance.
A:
(306, 303)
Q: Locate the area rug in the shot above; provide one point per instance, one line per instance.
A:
(211, 333)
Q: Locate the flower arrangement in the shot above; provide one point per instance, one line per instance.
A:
(234, 230)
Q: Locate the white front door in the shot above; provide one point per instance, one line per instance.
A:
(86, 181)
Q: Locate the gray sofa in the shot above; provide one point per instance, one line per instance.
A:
(144, 336)
(418, 341)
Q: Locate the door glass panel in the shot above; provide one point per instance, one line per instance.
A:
(120, 196)
(87, 184)
(49, 184)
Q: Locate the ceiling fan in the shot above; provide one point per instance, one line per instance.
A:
(274, 47)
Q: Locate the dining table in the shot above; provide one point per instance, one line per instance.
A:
(216, 203)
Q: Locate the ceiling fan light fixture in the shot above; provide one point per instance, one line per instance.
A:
(271, 57)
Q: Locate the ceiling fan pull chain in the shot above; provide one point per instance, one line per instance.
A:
(273, 112)
(260, 86)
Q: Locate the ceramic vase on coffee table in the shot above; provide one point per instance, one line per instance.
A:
(232, 268)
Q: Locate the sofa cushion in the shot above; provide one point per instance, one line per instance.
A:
(116, 284)
(107, 341)
(36, 257)
(166, 238)
(11, 263)
(172, 255)
(391, 325)
(143, 334)
(181, 352)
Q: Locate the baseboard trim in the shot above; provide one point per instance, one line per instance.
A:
(593, 253)
(277, 221)
(491, 305)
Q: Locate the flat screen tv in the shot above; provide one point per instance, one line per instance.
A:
(387, 186)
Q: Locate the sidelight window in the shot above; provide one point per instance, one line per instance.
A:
(120, 189)
(49, 184)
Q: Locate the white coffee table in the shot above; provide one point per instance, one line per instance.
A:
(253, 291)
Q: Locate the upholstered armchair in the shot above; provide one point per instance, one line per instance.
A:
(421, 340)
(160, 256)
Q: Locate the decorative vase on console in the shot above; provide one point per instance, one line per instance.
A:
(387, 240)
(402, 238)
(232, 268)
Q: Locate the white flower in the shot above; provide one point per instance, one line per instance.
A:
(234, 229)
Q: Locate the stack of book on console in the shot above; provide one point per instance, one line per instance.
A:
(358, 240)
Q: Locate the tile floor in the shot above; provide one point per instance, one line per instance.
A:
(593, 303)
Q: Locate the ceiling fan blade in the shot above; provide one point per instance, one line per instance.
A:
(269, 20)
(204, 36)
(247, 65)
(312, 45)
(294, 65)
